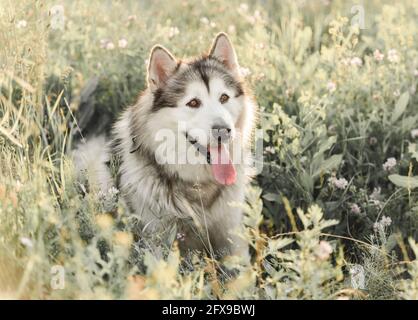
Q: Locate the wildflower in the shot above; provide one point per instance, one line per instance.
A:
(57, 17)
(204, 20)
(270, 150)
(231, 29)
(212, 24)
(245, 72)
(357, 277)
(57, 9)
(340, 183)
(396, 93)
(173, 32)
(376, 195)
(331, 86)
(389, 164)
(324, 250)
(382, 224)
(243, 7)
(355, 208)
(21, 24)
(180, 236)
(26, 242)
(393, 56)
(122, 43)
(415, 73)
(132, 17)
(106, 44)
(414, 133)
(378, 56)
(356, 61)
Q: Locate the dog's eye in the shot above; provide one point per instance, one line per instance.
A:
(224, 98)
(194, 103)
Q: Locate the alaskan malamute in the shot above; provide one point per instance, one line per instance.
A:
(181, 151)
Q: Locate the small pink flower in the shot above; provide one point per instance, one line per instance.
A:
(389, 164)
(340, 183)
(378, 55)
(331, 86)
(356, 61)
(324, 250)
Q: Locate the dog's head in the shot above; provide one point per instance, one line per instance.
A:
(201, 103)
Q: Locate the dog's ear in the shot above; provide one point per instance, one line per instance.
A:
(162, 64)
(223, 50)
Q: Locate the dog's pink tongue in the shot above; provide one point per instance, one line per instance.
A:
(222, 168)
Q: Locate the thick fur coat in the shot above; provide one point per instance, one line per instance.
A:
(202, 199)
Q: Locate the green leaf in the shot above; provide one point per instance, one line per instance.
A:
(404, 181)
(274, 197)
(400, 106)
(331, 163)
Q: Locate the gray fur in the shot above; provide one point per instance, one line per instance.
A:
(162, 195)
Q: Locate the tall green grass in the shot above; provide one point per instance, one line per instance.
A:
(328, 218)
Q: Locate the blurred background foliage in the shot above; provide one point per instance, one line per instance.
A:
(337, 105)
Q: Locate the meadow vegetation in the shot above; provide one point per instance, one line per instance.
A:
(333, 215)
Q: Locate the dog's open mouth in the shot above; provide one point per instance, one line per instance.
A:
(218, 158)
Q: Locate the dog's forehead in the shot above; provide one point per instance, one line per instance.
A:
(213, 87)
(208, 73)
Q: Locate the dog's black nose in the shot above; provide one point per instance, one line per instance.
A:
(221, 132)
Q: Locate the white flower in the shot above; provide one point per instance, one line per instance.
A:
(355, 208)
(269, 150)
(122, 43)
(396, 93)
(389, 164)
(243, 6)
(393, 56)
(204, 20)
(378, 55)
(109, 45)
(57, 10)
(340, 183)
(21, 24)
(382, 224)
(331, 86)
(357, 277)
(415, 73)
(386, 221)
(173, 32)
(213, 24)
(376, 195)
(324, 250)
(26, 242)
(414, 133)
(231, 29)
(356, 61)
(180, 236)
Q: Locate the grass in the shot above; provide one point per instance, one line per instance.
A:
(331, 216)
